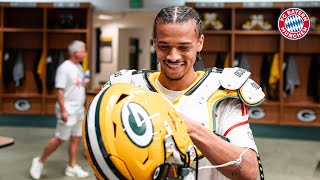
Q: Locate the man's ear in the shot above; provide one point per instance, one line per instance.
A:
(154, 43)
(200, 43)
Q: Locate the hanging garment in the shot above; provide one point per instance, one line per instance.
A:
(51, 73)
(265, 74)
(285, 69)
(41, 64)
(85, 63)
(219, 60)
(292, 76)
(98, 42)
(1, 62)
(274, 78)
(60, 58)
(18, 70)
(7, 67)
(275, 72)
(236, 60)
(227, 60)
(314, 78)
(243, 62)
(36, 75)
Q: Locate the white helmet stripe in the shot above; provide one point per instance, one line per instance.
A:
(94, 142)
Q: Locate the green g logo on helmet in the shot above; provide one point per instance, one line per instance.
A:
(137, 124)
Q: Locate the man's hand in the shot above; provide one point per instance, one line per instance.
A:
(64, 116)
(86, 81)
(192, 125)
(224, 151)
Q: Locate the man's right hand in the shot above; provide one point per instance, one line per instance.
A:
(64, 116)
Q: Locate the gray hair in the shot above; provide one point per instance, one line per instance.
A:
(75, 46)
(177, 14)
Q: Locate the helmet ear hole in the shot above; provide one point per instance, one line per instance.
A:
(121, 97)
(115, 130)
(146, 160)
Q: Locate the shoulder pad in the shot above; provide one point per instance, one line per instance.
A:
(134, 77)
(214, 70)
(233, 78)
(142, 71)
(251, 93)
(122, 76)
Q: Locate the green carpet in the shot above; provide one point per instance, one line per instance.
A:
(287, 132)
(28, 120)
(259, 130)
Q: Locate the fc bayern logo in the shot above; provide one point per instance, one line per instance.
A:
(294, 23)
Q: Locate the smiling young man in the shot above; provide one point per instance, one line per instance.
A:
(177, 46)
(212, 102)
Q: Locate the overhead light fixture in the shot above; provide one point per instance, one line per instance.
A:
(105, 17)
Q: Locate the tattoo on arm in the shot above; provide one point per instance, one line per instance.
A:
(237, 171)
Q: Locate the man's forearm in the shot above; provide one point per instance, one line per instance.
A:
(60, 99)
(219, 151)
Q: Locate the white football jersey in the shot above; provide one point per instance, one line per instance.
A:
(217, 99)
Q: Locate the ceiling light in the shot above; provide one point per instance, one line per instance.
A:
(104, 17)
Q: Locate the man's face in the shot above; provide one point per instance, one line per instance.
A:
(177, 45)
(81, 54)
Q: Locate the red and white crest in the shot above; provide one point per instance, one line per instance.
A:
(294, 23)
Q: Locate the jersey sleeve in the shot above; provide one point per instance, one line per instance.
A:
(61, 77)
(232, 120)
